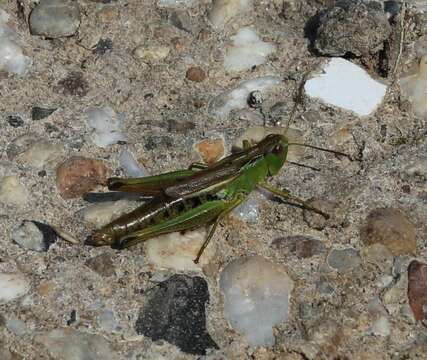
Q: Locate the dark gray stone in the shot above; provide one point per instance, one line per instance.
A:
(352, 27)
(175, 312)
(39, 113)
(15, 121)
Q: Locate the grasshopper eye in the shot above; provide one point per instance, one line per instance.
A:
(278, 149)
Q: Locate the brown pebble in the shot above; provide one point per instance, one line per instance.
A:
(319, 222)
(78, 175)
(417, 289)
(196, 74)
(107, 14)
(301, 246)
(390, 227)
(210, 150)
(101, 264)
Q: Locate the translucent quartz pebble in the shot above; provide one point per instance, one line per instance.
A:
(248, 50)
(256, 297)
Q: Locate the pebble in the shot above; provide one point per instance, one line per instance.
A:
(381, 326)
(378, 255)
(222, 11)
(395, 297)
(256, 297)
(255, 134)
(174, 311)
(103, 46)
(39, 113)
(16, 326)
(300, 246)
(151, 54)
(414, 88)
(317, 221)
(101, 214)
(248, 50)
(249, 210)
(417, 289)
(12, 192)
(55, 18)
(12, 286)
(41, 154)
(210, 150)
(348, 86)
(131, 167)
(176, 3)
(101, 264)
(12, 60)
(105, 125)
(33, 235)
(69, 344)
(236, 99)
(416, 167)
(74, 84)
(343, 260)
(178, 250)
(392, 228)
(78, 175)
(195, 73)
(15, 121)
(107, 321)
(339, 24)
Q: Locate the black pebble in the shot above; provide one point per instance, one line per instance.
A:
(175, 312)
(15, 121)
(38, 113)
(103, 46)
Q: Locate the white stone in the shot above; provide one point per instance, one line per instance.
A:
(223, 11)
(13, 286)
(177, 251)
(248, 50)
(348, 86)
(131, 167)
(256, 297)
(12, 192)
(12, 59)
(28, 236)
(105, 125)
(103, 213)
(177, 3)
(237, 97)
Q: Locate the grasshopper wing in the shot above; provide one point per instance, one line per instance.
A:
(149, 185)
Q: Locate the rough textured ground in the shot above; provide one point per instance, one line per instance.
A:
(331, 311)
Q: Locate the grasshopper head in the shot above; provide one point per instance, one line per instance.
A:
(275, 148)
(99, 238)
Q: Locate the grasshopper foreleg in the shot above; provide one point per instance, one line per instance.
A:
(288, 196)
(230, 206)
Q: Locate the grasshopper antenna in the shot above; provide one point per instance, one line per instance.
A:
(303, 165)
(322, 149)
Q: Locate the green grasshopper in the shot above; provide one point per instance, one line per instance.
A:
(200, 195)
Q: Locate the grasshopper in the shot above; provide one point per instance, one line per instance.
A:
(200, 195)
